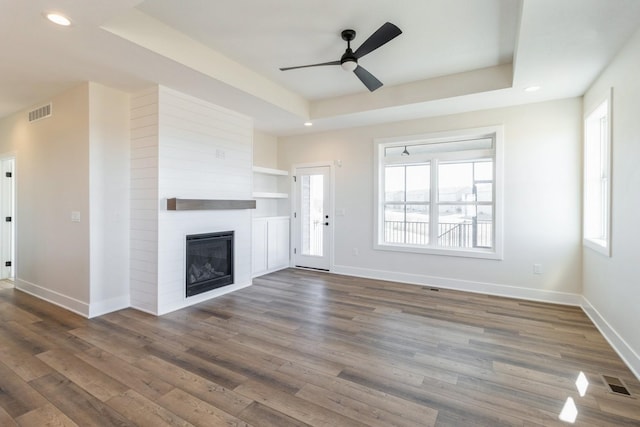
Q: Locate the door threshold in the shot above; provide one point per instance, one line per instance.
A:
(302, 267)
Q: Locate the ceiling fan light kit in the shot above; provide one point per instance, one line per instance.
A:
(349, 65)
(349, 60)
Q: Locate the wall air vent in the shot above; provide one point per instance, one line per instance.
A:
(40, 113)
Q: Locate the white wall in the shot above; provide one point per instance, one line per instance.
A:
(265, 150)
(144, 201)
(99, 157)
(542, 202)
(265, 154)
(611, 283)
(52, 180)
(205, 152)
(191, 149)
(74, 161)
(109, 184)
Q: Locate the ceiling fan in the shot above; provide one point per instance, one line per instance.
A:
(349, 60)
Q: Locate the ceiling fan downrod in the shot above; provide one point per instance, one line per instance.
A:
(348, 62)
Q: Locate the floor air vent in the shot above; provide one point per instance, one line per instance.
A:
(40, 113)
(616, 385)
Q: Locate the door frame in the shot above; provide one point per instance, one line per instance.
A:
(294, 205)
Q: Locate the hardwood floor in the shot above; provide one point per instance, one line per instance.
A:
(306, 348)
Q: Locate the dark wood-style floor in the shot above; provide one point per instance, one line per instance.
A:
(306, 348)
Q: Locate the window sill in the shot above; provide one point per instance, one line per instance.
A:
(453, 252)
(598, 245)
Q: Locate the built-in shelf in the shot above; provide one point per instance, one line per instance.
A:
(266, 195)
(270, 233)
(175, 204)
(269, 191)
(270, 171)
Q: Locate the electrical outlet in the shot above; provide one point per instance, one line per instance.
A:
(355, 251)
(537, 268)
(75, 216)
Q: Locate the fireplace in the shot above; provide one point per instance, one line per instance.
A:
(209, 262)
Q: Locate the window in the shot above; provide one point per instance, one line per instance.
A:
(597, 179)
(406, 206)
(440, 193)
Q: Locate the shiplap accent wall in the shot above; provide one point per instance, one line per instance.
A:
(188, 148)
(206, 152)
(144, 201)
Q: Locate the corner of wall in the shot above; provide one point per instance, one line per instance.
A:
(624, 350)
(57, 298)
(109, 195)
(265, 150)
(108, 306)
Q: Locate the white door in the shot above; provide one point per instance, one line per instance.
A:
(7, 218)
(313, 223)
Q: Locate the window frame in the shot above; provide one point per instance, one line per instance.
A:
(496, 153)
(602, 244)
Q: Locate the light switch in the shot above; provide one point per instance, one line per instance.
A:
(75, 216)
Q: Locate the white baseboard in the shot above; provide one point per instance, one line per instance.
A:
(464, 285)
(265, 272)
(626, 353)
(71, 304)
(168, 308)
(114, 304)
(621, 347)
(144, 310)
(108, 306)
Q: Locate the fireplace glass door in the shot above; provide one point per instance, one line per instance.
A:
(209, 262)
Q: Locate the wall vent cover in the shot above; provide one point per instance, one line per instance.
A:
(40, 113)
(616, 385)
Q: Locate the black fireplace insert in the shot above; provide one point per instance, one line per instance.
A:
(209, 262)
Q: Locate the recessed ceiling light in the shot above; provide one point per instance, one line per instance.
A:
(532, 88)
(58, 18)
(308, 124)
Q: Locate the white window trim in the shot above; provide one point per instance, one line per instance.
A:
(602, 246)
(496, 131)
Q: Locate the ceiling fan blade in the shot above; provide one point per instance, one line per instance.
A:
(311, 65)
(384, 34)
(367, 78)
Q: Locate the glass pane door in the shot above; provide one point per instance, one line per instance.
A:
(312, 220)
(312, 214)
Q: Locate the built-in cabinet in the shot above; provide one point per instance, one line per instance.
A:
(270, 233)
(270, 244)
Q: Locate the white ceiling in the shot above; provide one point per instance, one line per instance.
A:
(440, 37)
(453, 55)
